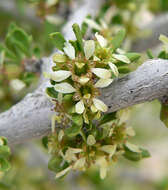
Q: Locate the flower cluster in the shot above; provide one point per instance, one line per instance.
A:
(87, 137)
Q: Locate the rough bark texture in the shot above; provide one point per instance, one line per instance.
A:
(31, 117)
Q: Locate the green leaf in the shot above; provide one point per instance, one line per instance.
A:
(149, 54)
(4, 165)
(135, 156)
(133, 56)
(108, 117)
(52, 92)
(164, 114)
(124, 69)
(78, 35)
(54, 164)
(58, 40)
(4, 151)
(45, 141)
(73, 130)
(37, 52)
(77, 119)
(118, 39)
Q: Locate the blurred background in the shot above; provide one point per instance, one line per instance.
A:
(19, 74)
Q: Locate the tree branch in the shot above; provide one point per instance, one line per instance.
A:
(156, 27)
(31, 117)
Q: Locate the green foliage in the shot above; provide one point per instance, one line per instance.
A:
(4, 155)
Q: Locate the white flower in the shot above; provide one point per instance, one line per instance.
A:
(17, 85)
(60, 135)
(102, 41)
(59, 58)
(100, 105)
(69, 50)
(102, 163)
(130, 131)
(110, 149)
(63, 172)
(132, 147)
(91, 140)
(93, 108)
(122, 58)
(89, 48)
(58, 76)
(114, 69)
(79, 107)
(92, 24)
(83, 80)
(101, 73)
(64, 88)
(79, 164)
(102, 83)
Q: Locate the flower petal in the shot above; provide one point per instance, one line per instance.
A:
(102, 41)
(79, 107)
(122, 58)
(92, 24)
(64, 88)
(101, 73)
(60, 75)
(89, 48)
(63, 172)
(100, 105)
(69, 50)
(110, 149)
(114, 69)
(132, 147)
(83, 80)
(91, 140)
(59, 58)
(102, 83)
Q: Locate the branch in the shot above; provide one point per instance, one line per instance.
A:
(31, 117)
(156, 27)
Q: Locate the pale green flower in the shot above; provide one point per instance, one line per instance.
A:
(69, 50)
(114, 69)
(63, 172)
(79, 107)
(89, 48)
(122, 58)
(110, 149)
(132, 147)
(100, 105)
(102, 83)
(102, 163)
(80, 164)
(59, 58)
(64, 88)
(17, 85)
(91, 140)
(60, 135)
(58, 76)
(83, 80)
(101, 73)
(102, 41)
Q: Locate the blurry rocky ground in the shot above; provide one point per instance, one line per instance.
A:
(29, 161)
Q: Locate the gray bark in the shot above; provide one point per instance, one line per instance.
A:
(155, 28)
(30, 118)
